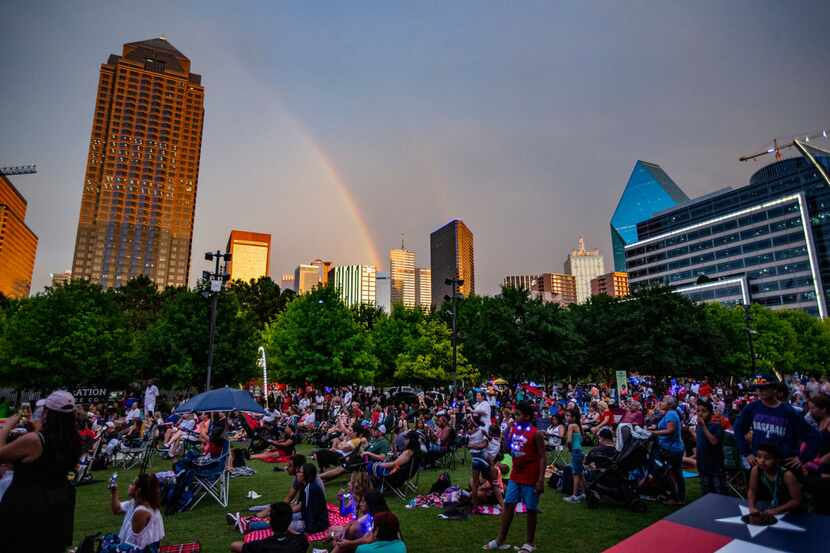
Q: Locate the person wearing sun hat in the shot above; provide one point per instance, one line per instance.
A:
(40, 493)
(775, 423)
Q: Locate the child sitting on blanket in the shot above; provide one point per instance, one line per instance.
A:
(283, 540)
(360, 530)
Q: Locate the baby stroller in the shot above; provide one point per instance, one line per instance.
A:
(620, 482)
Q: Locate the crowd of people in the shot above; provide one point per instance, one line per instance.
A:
(378, 440)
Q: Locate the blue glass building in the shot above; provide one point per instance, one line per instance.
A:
(649, 191)
(767, 242)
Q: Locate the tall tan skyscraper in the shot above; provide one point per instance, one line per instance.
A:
(306, 277)
(402, 277)
(323, 267)
(142, 170)
(451, 256)
(584, 265)
(250, 255)
(423, 288)
(18, 244)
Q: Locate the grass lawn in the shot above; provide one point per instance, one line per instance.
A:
(562, 526)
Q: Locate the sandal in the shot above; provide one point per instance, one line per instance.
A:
(526, 548)
(493, 545)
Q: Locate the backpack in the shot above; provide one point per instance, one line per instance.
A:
(89, 544)
(441, 484)
(567, 479)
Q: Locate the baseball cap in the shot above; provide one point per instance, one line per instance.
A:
(60, 401)
(764, 380)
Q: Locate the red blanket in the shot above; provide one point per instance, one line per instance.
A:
(335, 519)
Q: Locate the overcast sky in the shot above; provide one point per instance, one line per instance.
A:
(523, 119)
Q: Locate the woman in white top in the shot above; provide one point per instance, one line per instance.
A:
(143, 525)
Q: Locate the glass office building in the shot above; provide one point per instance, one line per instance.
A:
(649, 191)
(767, 242)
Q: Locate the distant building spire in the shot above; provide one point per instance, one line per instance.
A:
(581, 245)
(402, 237)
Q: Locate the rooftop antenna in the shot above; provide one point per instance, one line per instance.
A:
(402, 246)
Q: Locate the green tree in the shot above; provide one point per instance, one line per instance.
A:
(317, 339)
(812, 345)
(175, 347)
(389, 335)
(427, 357)
(68, 336)
(262, 297)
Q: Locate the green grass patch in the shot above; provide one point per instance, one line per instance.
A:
(562, 526)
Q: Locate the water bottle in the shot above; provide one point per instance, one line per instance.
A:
(113, 481)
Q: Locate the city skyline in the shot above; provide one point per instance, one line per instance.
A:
(435, 125)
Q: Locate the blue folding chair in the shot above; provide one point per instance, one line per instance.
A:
(213, 477)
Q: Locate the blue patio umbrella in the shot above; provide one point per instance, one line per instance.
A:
(221, 400)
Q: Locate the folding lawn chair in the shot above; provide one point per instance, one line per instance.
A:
(736, 474)
(213, 478)
(127, 457)
(84, 475)
(402, 484)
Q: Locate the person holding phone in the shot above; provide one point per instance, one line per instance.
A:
(40, 490)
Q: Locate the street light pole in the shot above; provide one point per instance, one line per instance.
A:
(216, 282)
(455, 283)
(749, 333)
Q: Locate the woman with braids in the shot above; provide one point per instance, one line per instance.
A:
(40, 495)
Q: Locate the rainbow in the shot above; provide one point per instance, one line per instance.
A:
(348, 198)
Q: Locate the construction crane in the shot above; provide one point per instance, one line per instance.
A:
(18, 170)
(779, 144)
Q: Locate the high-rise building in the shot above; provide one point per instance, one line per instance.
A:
(142, 170)
(355, 284)
(584, 265)
(306, 277)
(549, 287)
(613, 284)
(18, 244)
(649, 190)
(423, 288)
(323, 267)
(767, 242)
(557, 287)
(402, 277)
(383, 291)
(250, 255)
(452, 256)
(287, 282)
(59, 279)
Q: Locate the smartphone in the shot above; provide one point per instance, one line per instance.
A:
(113, 481)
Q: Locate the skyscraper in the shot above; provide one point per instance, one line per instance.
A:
(18, 244)
(383, 291)
(451, 256)
(287, 281)
(355, 284)
(423, 288)
(306, 277)
(550, 287)
(649, 190)
(584, 265)
(402, 277)
(59, 279)
(613, 284)
(323, 268)
(250, 255)
(142, 170)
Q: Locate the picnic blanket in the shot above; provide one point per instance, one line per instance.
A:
(335, 519)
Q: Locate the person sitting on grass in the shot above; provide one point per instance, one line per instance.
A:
(359, 531)
(143, 526)
(773, 489)
(386, 536)
(311, 510)
(282, 447)
(282, 541)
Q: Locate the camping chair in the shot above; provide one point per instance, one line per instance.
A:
(84, 475)
(128, 457)
(448, 458)
(402, 484)
(736, 478)
(213, 477)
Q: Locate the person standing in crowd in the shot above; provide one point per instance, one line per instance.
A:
(573, 438)
(151, 392)
(709, 450)
(40, 495)
(527, 479)
(670, 442)
(774, 422)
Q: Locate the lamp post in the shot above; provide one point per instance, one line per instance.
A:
(749, 333)
(456, 283)
(217, 281)
(262, 362)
